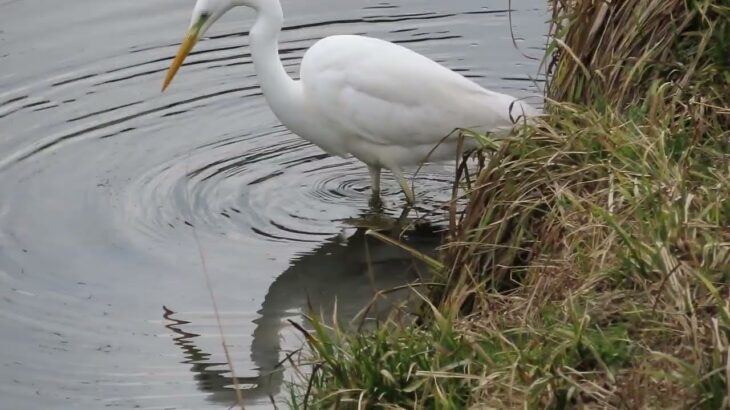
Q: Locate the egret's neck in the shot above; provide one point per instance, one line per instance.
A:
(276, 84)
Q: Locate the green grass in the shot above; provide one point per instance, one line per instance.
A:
(443, 365)
(591, 266)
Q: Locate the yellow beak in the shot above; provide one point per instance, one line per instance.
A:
(190, 40)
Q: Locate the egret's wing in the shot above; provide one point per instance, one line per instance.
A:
(391, 95)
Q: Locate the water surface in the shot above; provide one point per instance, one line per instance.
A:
(102, 178)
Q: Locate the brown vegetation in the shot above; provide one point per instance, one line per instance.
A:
(591, 266)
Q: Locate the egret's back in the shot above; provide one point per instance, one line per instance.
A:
(389, 95)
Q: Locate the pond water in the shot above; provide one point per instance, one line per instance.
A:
(103, 301)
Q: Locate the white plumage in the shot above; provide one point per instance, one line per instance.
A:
(384, 104)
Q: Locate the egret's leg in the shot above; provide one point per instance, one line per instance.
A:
(375, 179)
(410, 196)
(375, 200)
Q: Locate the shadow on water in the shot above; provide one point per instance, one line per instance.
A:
(353, 274)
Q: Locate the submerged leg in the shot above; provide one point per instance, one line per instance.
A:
(410, 196)
(375, 200)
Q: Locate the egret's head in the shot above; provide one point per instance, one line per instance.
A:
(205, 13)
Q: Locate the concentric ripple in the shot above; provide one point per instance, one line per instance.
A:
(105, 185)
(271, 186)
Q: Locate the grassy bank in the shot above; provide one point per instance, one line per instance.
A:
(591, 266)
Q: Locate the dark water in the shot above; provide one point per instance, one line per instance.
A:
(101, 178)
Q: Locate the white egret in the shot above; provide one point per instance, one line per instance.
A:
(386, 105)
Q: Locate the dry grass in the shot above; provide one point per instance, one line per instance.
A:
(591, 267)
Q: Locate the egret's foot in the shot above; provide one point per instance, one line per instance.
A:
(375, 202)
(403, 218)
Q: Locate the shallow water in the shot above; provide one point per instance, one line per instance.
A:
(102, 178)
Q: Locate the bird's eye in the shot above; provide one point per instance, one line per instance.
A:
(204, 15)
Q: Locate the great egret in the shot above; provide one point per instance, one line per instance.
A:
(386, 105)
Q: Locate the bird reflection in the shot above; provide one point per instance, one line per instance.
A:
(346, 273)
